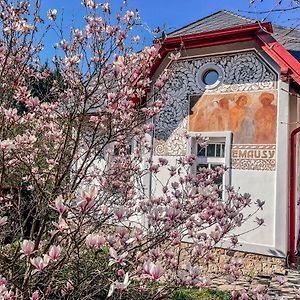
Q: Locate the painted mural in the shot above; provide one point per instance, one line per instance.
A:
(250, 116)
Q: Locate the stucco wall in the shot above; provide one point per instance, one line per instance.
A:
(265, 178)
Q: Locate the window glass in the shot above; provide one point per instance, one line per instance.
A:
(210, 77)
(211, 150)
(201, 150)
(218, 150)
(223, 150)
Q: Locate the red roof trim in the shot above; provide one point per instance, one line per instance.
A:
(259, 32)
(211, 38)
(290, 66)
(218, 34)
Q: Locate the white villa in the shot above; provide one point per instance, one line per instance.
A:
(237, 83)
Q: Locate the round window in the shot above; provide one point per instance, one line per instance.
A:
(210, 77)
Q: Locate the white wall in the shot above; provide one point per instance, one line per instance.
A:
(270, 186)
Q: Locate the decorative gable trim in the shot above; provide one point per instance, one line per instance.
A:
(259, 32)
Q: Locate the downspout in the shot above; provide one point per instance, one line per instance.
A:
(292, 209)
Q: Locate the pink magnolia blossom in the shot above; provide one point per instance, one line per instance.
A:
(6, 294)
(12, 115)
(95, 241)
(260, 203)
(234, 240)
(6, 145)
(244, 295)
(69, 286)
(216, 234)
(52, 14)
(54, 252)
(204, 282)
(104, 210)
(106, 7)
(88, 199)
(120, 286)
(59, 147)
(27, 247)
(33, 102)
(35, 296)
(40, 263)
(175, 57)
(73, 60)
(59, 205)
(155, 271)
(3, 280)
(111, 96)
(115, 258)
(121, 273)
(89, 4)
(68, 289)
(234, 294)
(120, 212)
(3, 220)
(135, 38)
(62, 225)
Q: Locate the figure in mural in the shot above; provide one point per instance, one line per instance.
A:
(219, 117)
(265, 117)
(241, 121)
(205, 118)
(198, 116)
(251, 117)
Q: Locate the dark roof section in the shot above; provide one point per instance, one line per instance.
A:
(288, 37)
(219, 20)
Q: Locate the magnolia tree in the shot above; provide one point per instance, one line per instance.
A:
(76, 219)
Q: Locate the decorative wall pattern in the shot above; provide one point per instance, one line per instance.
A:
(253, 157)
(243, 72)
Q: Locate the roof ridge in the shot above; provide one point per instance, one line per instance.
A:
(238, 15)
(250, 19)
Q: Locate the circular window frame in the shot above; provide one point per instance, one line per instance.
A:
(203, 71)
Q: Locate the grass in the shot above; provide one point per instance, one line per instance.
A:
(200, 294)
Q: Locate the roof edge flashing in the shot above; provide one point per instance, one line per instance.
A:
(218, 34)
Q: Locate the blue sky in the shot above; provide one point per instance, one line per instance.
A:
(176, 13)
(173, 14)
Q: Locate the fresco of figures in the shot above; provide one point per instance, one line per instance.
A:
(250, 116)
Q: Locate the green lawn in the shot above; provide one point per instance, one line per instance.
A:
(200, 294)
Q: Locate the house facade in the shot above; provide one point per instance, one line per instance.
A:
(236, 83)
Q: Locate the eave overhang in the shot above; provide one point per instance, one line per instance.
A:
(258, 32)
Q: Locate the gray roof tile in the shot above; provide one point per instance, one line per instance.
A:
(219, 20)
(288, 37)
